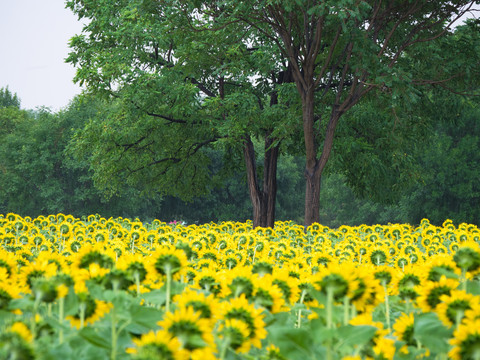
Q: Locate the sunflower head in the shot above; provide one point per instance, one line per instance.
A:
(158, 345)
(466, 341)
(236, 334)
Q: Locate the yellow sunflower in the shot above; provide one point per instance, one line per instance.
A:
(454, 306)
(194, 333)
(238, 281)
(90, 310)
(158, 345)
(268, 295)
(403, 330)
(466, 341)
(240, 308)
(430, 292)
(167, 260)
(206, 306)
(235, 334)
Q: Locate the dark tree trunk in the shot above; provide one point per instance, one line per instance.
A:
(312, 170)
(263, 200)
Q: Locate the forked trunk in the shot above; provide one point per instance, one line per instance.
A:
(263, 200)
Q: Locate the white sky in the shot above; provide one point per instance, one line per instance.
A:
(33, 45)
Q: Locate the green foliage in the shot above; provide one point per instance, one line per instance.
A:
(8, 99)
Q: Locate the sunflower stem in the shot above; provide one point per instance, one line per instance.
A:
(82, 307)
(329, 308)
(113, 354)
(346, 310)
(38, 298)
(225, 345)
(387, 307)
(136, 276)
(168, 271)
(299, 319)
(463, 279)
(61, 314)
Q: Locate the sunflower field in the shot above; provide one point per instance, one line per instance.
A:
(96, 288)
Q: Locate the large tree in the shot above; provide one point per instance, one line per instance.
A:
(178, 90)
(220, 73)
(340, 51)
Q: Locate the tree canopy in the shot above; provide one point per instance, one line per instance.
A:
(188, 75)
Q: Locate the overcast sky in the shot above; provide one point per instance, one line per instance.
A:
(34, 37)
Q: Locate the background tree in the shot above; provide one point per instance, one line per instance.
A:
(179, 91)
(342, 51)
(7, 98)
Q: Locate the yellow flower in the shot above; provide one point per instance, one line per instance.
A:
(240, 308)
(21, 329)
(385, 348)
(62, 291)
(89, 310)
(194, 332)
(403, 330)
(453, 307)
(158, 345)
(236, 333)
(206, 306)
(268, 295)
(167, 260)
(238, 281)
(430, 292)
(466, 341)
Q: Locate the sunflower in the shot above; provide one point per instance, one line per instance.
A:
(194, 332)
(368, 293)
(439, 265)
(378, 255)
(404, 283)
(158, 345)
(8, 262)
(453, 307)
(14, 346)
(8, 291)
(403, 330)
(33, 271)
(467, 257)
(268, 295)
(274, 353)
(236, 334)
(21, 329)
(430, 292)
(338, 279)
(134, 267)
(89, 311)
(89, 254)
(167, 260)
(209, 280)
(384, 348)
(240, 308)
(287, 284)
(206, 306)
(466, 341)
(238, 281)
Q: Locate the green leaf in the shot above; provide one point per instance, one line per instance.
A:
(92, 336)
(356, 335)
(430, 331)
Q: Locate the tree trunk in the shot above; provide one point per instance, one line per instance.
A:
(263, 200)
(312, 170)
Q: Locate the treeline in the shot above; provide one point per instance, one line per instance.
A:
(41, 172)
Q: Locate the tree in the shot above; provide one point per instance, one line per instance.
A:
(8, 99)
(178, 90)
(340, 51)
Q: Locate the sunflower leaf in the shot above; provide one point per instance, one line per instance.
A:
(430, 331)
